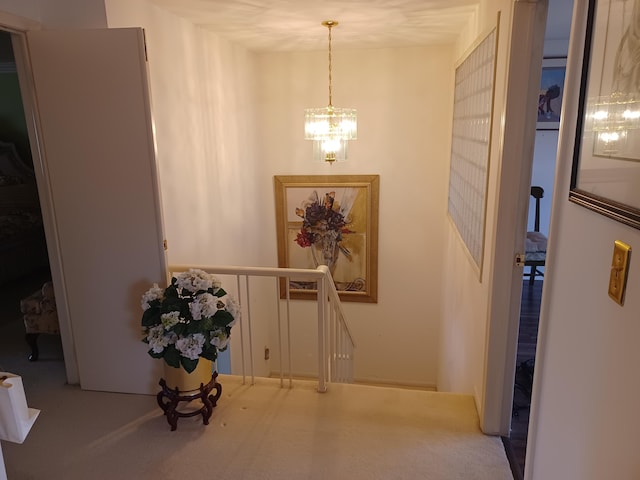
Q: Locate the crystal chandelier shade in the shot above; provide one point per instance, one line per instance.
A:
(330, 127)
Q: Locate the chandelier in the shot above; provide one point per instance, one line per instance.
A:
(330, 127)
(611, 118)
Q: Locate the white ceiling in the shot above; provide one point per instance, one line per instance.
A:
(279, 25)
(284, 25)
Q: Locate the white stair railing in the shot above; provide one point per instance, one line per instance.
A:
(335, 340)
(337, 335)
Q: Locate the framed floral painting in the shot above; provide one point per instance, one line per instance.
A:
(330, 220)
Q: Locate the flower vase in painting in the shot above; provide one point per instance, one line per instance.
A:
(324, 225)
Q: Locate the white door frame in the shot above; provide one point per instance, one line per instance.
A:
(17, 27)
(523, 84)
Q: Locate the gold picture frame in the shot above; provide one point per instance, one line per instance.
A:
(330, 220)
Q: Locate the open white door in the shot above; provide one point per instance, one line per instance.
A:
(96, 136)
(525, 59)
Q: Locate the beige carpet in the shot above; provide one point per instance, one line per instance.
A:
(256, 432)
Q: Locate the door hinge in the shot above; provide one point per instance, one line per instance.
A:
(519, 259)
(165, 245)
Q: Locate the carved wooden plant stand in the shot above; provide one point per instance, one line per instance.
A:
(168, 400)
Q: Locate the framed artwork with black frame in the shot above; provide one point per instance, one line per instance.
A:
(605, 176)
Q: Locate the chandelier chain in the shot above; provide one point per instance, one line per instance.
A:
(330, 89)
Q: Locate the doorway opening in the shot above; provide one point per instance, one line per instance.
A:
(543, 172)
(24, 260)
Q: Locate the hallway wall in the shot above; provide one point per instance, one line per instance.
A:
(203, 97)
(202, 91)
(236, 121)
(544, 157)
(466, 294)
(404, 102)
(215, 147)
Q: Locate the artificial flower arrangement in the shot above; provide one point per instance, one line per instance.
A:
(189, 319)
(324, 223)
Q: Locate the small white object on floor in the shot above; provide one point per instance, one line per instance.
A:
(16, 419)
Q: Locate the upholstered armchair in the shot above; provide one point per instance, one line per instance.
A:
(40, 316)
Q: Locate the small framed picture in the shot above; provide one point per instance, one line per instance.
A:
(551, 93)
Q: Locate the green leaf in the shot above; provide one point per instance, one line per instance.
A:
(172, 305)
(155, 355)
(171, 291)
(222, 318)
(220, 292)
(210, 353)
(155, 303)
(151, 317)
(188, 364)
(189, 328)
(172, 356)
(206, 324)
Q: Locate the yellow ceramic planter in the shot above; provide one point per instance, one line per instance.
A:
(185, 382)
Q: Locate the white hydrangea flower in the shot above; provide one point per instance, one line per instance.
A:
(204, 306)
(220, 339)
(190, 346)
(194, 280)
(229, 304)
(196, 310)
(171, 337)
(157, 339)
(170, 319)
(154, 293)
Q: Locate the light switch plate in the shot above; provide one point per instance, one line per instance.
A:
(619, 271)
